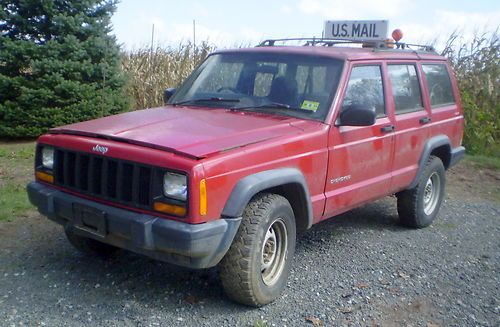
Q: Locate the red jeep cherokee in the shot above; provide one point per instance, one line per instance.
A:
(256, 145)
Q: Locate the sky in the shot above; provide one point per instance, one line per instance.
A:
(227, 23)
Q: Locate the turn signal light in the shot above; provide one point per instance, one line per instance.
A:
(44, 177)
(171, 209)
(203, 197)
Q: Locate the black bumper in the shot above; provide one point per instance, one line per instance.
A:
(188, 245)
(456, 155)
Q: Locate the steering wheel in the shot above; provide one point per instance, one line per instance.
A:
(227, 88)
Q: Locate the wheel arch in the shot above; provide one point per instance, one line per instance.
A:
(287, 182)
(439, 146)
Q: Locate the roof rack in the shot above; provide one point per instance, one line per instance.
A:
(375, 44)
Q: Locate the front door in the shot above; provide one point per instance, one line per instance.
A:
(360, 158)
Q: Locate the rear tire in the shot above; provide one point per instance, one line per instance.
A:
(419, 206)
(255, 269)
(90, 246)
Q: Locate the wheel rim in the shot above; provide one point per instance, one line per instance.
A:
(431, 193)
(273, 254)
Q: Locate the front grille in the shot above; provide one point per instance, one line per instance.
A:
(115, 180)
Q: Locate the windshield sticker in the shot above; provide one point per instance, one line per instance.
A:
(310, 105)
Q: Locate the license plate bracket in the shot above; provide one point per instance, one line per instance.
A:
(90, 220)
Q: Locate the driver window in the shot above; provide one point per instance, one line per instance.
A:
(365, 88)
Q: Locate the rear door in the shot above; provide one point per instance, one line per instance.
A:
(411, 120)
(360, 158)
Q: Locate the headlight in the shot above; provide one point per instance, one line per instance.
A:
(175, 186)
(48, 157)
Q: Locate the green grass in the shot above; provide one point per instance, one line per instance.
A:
(16, 170)
(13, 201)
(484, 161)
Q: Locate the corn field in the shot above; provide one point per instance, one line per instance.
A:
(151, 71)
(477, 67)
(476, 64)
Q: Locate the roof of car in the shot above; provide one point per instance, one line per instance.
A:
(343, 52)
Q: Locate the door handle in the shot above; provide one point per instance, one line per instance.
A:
(425, 120)
(387, 129)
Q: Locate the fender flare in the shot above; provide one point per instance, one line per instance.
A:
(250, 185)
(432, 144)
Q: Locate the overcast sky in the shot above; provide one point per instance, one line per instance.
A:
(227, 23)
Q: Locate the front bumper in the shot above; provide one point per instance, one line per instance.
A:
(188, 245)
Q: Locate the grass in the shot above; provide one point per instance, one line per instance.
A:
(16, 170)
(484, 161)
(13, 201)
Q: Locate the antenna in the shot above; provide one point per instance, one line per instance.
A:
(194, 33)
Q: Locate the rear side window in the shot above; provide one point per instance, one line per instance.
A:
(365, 88)
(405, 88)
(439, 84)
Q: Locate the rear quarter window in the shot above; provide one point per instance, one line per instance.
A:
(438, 84)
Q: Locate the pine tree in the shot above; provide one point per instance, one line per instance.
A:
(58, 64)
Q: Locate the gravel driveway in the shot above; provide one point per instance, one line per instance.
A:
(359, 269)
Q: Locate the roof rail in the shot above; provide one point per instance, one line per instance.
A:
(375, 44)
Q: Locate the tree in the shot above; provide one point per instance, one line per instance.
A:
(58, 64)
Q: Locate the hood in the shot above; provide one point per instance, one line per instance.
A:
(193, 132)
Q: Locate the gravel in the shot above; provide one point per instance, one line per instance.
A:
(358, 269)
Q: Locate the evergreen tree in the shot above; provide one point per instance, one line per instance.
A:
(58, 64)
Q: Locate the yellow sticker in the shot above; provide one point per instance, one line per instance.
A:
(310, 105)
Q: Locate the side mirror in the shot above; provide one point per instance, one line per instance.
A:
(357, 115)
(167, 94)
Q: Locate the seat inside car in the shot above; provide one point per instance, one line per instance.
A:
(283, 91)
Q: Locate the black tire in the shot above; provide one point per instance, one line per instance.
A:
(417, 208)
(243, 271)
(90, 246)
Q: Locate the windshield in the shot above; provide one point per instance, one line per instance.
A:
(286, 84)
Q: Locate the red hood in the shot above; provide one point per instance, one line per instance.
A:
(193, 132)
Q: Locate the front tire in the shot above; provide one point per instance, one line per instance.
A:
(255, 269)
(419, 206)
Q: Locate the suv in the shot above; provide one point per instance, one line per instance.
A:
(256, 146)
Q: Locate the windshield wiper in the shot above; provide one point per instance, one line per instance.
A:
(212, 99)
(273, 105)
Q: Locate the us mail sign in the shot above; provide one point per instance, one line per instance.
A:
(356, 29)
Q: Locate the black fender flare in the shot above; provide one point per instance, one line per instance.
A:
(431, 144)
(250, 185)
